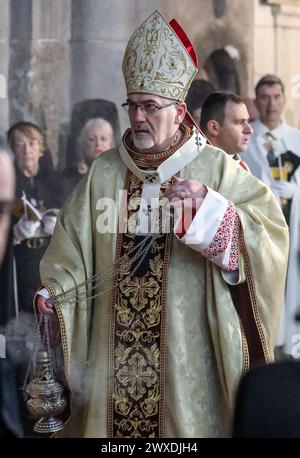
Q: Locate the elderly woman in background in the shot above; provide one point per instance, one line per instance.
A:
(35, 212)
(96, 137)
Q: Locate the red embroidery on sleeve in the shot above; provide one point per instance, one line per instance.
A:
(233, 263)
(227, 233)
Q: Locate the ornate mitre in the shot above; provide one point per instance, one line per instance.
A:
(159, 59)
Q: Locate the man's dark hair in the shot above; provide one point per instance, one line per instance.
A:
(214, 107)
(268, 80)
(197, 93)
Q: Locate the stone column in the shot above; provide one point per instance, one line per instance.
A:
(20, 30)
(38, 60)
(50, 70)
(100, 29)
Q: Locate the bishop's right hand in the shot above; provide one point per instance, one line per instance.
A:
(44, 305)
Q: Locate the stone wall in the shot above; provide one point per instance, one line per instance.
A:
(277, 50)
(35, 50)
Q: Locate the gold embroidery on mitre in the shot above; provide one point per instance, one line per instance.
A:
(156, 61)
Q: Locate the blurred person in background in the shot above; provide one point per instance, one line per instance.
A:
(96, 137)
(10, 424)
(273, 156)
(7, 190)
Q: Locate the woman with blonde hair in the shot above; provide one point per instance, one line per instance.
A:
(96, 137)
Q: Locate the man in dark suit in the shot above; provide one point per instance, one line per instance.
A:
(268, 402)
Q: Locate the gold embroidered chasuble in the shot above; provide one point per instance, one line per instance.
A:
(205, 352)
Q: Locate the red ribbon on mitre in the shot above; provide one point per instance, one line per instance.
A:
(190, 49)
(185, 40)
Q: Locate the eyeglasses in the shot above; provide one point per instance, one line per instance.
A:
(147, 107)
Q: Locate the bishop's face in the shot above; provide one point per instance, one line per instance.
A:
(153, 129)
